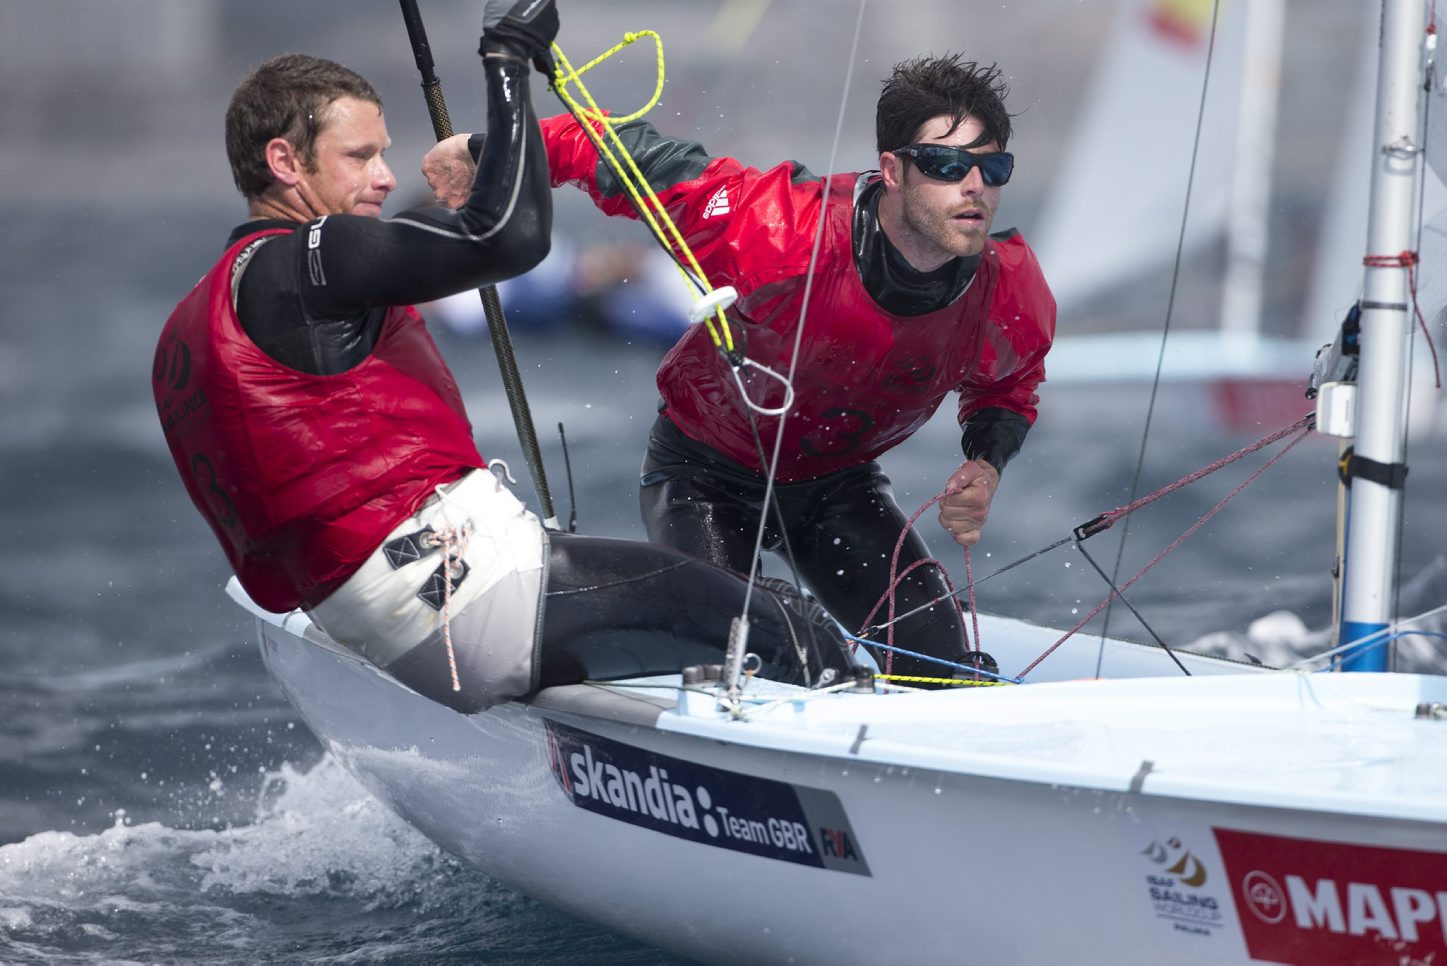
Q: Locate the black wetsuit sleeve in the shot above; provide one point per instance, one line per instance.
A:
(994, 435)
(426, 253)
(314, 299)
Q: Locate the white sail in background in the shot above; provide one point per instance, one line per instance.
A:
(1115, 210)
(1135, 133)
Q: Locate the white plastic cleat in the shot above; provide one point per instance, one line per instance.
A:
(720, 298)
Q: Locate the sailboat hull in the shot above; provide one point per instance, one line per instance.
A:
(954, 827)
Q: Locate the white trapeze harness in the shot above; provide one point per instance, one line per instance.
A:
(479, 534)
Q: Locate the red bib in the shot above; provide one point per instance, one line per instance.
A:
(299, 475)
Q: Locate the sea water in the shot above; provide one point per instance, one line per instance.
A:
(161, 802)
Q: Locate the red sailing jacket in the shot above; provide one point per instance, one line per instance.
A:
(866, 379)
(301, 476)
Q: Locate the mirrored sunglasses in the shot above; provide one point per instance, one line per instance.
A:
(952, 164)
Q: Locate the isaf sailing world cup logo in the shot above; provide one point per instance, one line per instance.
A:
(1177, 891)
(1189, 868)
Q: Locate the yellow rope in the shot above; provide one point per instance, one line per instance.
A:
(630, 175)
(916, 679)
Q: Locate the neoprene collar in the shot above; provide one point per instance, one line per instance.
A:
(896, 285)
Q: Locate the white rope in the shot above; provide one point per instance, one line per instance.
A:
(781, 409)
(453, 540)
(1379, 639)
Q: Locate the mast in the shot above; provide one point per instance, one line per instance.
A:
(1377, 468)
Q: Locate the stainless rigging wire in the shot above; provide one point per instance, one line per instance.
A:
(1166, 326)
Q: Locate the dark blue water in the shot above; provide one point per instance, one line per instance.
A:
(159, 800)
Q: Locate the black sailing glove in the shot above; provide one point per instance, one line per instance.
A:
(521, 28)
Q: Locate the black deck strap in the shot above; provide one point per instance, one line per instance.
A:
(432, 592)
(1138, 781)
(1393, 476)
(409, 547)
(982, 660)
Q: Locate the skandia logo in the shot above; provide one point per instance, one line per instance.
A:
(718, 204)
(652, 793)
(703, 804)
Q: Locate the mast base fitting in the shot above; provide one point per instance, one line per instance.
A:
(696, 674)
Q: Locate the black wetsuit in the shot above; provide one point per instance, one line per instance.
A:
(613, 607)
(320, 311)
(839, 530)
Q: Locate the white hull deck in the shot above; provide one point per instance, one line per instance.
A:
(1237, 815)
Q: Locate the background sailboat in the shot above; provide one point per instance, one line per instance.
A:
(1112, 223)
(1113, 214)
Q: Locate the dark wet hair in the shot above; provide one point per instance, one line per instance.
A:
(927, 87)
(284, 98)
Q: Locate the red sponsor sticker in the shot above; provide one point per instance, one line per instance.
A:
(1304, 902)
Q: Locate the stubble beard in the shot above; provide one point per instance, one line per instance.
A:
(939, 232)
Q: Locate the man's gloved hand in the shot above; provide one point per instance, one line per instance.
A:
(524, 28)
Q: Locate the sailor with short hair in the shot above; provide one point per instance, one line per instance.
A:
(324, 439)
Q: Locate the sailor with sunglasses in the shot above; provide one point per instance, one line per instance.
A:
(909, 298)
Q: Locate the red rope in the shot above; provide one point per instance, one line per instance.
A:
(1408, 260)
(974, 611)
(1193, 528)
(897, 578)
(1111, 516)
(972, 640)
